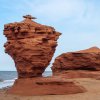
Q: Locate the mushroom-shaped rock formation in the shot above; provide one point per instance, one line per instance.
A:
(31, 45)
(84, 63)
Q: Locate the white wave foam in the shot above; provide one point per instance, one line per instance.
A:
(6, 83)
(9, 80)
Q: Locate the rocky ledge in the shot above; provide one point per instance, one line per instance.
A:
(84, 63)
(45, 86)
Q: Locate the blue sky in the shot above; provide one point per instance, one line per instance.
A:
(77, 20)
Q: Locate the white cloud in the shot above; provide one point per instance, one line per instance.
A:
(57, 9)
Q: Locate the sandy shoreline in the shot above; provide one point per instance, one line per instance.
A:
(92, 86)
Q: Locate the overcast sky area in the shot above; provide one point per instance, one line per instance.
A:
(77, 20)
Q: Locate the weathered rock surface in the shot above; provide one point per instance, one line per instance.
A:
(45, 86)
(78, 64)
(31, 45)
(70, 74)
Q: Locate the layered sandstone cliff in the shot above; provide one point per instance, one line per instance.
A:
(78, 64)
(31, 45)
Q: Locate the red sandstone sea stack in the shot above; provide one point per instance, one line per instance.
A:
(84, 63)
(31, 45)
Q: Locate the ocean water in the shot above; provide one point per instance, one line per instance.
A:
(7, 78)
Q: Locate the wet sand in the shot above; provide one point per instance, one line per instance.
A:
(92, 86)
